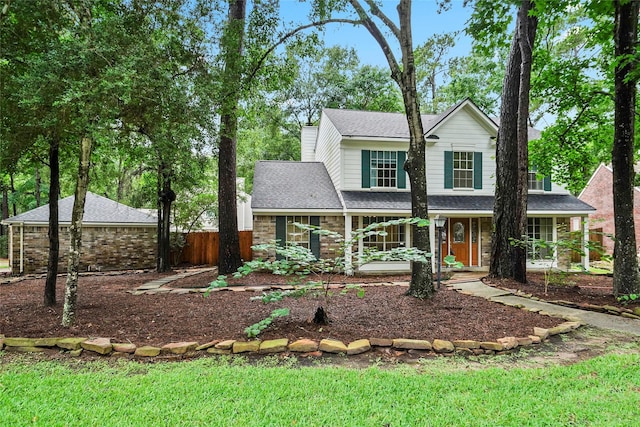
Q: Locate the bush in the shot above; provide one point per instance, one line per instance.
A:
(4, 246)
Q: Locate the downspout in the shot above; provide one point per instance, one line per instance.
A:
(585, 243)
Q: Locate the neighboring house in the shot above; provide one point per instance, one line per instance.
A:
(114, 237)
(351, 175)
(599, 194)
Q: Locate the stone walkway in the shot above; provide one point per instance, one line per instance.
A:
(591, 318)
(466, 283)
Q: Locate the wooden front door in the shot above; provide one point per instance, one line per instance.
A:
(459, 239)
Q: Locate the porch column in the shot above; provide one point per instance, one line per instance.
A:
(348, 256)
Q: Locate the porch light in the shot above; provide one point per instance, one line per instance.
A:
(439, 223)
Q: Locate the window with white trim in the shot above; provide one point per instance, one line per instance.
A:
(295, 234)
(394, 238)
(462, 169)
(534, 182)
(384, 167)
(539, 229)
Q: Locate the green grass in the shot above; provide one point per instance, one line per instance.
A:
(604, 391)
(4, 263)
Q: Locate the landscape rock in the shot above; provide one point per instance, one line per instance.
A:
(466, 344)
(381, 342)
(630, 316)
(246, 346)
(25, 349)
(524, 341)
(508, 342)
(358, 346)
(98, 345)
(274, 346)
(303, 346)
(412, 344)
(76, 353)
(442, 346)
(147, 351)
(124, 348)
(179, 347)
(332, 346)
(46, 342)
(225, 345)
(19, 342)
(543, 333)
(70, 343)
(563, 328)
(207, 345)
(219, 351)
(492, 346)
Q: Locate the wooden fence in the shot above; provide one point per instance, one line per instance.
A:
(202, 247)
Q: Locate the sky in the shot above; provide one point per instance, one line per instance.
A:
(425, 23)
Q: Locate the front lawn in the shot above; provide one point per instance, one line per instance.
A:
(603, 391)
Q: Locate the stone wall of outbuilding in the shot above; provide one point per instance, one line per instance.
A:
(103, 248)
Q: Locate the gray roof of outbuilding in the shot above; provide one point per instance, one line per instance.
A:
(293, 185)
(97, 210)
(402, 201)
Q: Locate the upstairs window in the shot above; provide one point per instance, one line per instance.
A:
(383, 169)
(463, 170)
(534, 182)
(384, 165)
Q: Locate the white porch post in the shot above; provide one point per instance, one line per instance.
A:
(348, 256)
(21, 248)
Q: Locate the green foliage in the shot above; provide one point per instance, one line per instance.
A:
(4, 246)
(255, 329)
(627, 299)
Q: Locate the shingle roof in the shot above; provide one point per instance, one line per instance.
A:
(402, 201)
(293, 185)
(353, 123)
(97, 210)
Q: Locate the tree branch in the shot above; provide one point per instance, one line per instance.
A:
(375, 10)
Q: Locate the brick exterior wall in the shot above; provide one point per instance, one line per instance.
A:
(599, 194)
(103, 248)
(264, 231)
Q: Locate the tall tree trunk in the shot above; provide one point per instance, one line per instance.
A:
(166, 196)
(626, 278)
(37, 190)
(75, 234)
(4, 208)
(421, 285)
(229, 242)
(13, 193)
(54, 230)
(509, 260)
(527, 26)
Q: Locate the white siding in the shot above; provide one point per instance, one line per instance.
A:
(352, 160)
(328, 149)
(460, 132)
(308, 143)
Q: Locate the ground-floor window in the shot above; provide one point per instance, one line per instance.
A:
(394, 238)
(296, 235)
(287, 233)
(539, 230)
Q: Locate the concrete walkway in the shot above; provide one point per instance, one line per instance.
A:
(157, 285)
(591, 318)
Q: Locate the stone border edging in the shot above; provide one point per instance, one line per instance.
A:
(74, 346)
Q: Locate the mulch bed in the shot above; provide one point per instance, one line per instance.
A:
(106, 309)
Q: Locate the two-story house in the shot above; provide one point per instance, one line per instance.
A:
(351, 175)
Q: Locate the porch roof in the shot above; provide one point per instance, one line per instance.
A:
(382, 201)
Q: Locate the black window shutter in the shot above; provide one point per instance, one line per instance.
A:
(281, 232)
(448, 169)
(477, 170)
(314, 239)
(366, 169)
(400, 173)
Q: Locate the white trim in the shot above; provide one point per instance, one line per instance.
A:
(21, 248)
